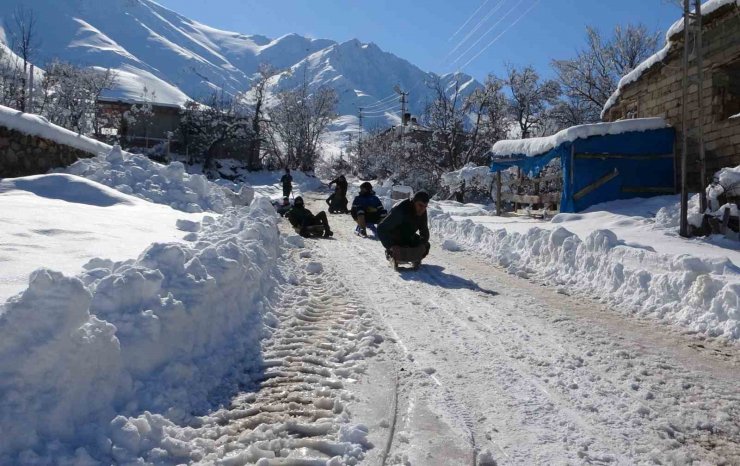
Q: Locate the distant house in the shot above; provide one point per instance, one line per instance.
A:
(410, 131)
(654, 89)
(139, 132)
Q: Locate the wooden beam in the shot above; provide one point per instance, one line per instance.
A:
(587, 155)
(596, 185)
(649, 189)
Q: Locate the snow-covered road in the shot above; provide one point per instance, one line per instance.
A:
(492, 367)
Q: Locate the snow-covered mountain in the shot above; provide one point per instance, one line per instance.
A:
(178, 58)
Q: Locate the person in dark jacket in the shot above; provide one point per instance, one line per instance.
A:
(400, 227)
(302, 218)
(338, 199)
(367, 210)
(287, 182)
(283, 206)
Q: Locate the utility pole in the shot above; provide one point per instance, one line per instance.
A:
(692, 21)
(700, 99)
(359, 137)
(684, 222)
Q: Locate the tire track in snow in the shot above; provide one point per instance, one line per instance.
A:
(580, 400)
(297, 415)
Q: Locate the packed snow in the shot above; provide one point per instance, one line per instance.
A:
(707, 8)
(620, 254)
(39, 126)
(537, 146)
(66, 221)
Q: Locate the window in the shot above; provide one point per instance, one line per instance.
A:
(726, 85)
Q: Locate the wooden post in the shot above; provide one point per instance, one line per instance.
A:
(499, 202)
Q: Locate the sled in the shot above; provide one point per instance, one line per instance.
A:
(409, 256)
(312, 231)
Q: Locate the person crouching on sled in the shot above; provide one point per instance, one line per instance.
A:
(367, 210)
(306, 223)
(338, 199)
(400, 227)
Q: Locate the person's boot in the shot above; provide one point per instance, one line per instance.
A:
(328, 232)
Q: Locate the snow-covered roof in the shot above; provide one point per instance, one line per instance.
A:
(537, 146)
(36, 125)
(707, 8)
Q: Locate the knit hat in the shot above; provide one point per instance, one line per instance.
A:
(298, 201)
(366, 185)
(421, 196)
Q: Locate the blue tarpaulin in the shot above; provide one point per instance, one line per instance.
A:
(605, 168)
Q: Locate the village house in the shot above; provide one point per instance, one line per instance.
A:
(654, 89)
(143, 132)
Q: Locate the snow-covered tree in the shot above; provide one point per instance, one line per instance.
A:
(223, 121)
(69, 96)
(590, 78)
(297, 123)
(258, 101)
(531, 100)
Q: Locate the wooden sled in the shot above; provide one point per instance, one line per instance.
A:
(409, 257)
(312, 231)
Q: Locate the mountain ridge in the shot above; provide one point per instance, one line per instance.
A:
(177, 58)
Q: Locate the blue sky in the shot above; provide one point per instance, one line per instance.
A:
(422, 31)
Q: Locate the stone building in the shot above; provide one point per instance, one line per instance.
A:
(654, 89)
(148, 132)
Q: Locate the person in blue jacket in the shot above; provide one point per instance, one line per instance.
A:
(367, 210)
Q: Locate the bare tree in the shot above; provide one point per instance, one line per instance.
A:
(254, 160)
(69, 96)
(11, 79)
(592, 76)
(530, 99)
(21, 29)
(297, 123)
(204, 130)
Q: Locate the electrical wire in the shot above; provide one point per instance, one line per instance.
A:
(501, 34)
(477, 26)
(486, 33)
(468, 20)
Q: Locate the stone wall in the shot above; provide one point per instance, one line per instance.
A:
(658, 93)
(24, 155)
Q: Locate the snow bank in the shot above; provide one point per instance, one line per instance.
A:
(537, 146)
(158, 333)
(36, 125)
(707, 8)
(139, 176)
(700, 294)
(67, 220)
(470, 175)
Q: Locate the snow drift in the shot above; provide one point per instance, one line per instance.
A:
(171, 185)
(700, 294)
(158, 333)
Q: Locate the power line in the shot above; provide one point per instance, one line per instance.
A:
(381, 102)
(468, 20)
(500, 35)
(477, 26)
(486, 33)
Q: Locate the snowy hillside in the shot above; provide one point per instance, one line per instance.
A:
(176, 58)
